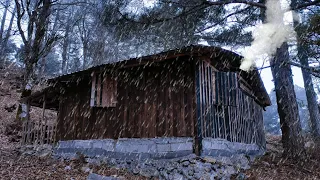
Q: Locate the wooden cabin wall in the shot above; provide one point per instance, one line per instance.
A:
(224, 110)
(155, 101)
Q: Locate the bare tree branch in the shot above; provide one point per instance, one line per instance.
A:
(312, 70)
(301, 6)
(19, 18)
(225, 2)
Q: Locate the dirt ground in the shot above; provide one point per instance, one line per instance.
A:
(273, 166)
(13, 165)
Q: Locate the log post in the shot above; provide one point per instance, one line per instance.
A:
(43, 131)
(28, 139)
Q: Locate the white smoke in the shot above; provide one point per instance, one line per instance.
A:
(269, 36)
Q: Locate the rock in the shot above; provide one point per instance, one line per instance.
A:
(156, 173)
(205, 176)
(241, 176)
(309, 144)
(210, 159)
(135, 171)
(148, 172)
(85, 169)
(213, 176)
(197, 175)
(177, 176)
(190, 172)
(10, 107)
(188, 158)
(240, 161)
(93, 176)
(207, 169)
(170, 168)
(44, 154)
(67, 168)
(224, 160)
(185, 163)
(28, 152)
(164, 174)
(229, 170)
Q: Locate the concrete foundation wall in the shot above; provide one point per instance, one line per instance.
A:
(222, 147)
(130, 148)
(156, 148)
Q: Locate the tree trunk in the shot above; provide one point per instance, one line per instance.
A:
(4, 42)
(3, 21)
(85, 54)
(65, 52)
(292, 139)
(308, 85)
(310, 93)
(33, 45)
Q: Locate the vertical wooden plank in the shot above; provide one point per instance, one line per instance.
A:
(191, 105)
(239, 104)
(154, 103)
(205, 96)
(55, 129)
(23, 133)
(182, 108)
(98, 102)
(161, 106)
(93, 89)
(170, 106)
(210, 101)
(209, 96)
(201, 97)
(197, 105)
(114, 93)
(43, 119)
(246, 117)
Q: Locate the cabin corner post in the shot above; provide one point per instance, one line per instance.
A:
(43, 131)
(28, 122)
(197, 119)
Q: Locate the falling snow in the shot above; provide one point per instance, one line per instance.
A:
(159, 89)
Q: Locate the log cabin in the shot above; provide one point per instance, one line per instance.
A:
(193, 99)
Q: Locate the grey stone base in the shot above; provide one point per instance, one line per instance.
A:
(126, 148)
(222, 147)
(154, 148)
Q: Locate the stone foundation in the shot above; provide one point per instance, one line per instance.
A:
(222, 147)
(154, 148)
(128, 148)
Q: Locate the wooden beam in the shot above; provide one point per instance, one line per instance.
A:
(43, 119)
(28, 122)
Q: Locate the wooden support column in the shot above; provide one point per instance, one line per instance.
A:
(28, 123)
(197, 115)
(55, 128)
(43, 130)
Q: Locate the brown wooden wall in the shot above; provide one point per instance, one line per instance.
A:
(156, 101)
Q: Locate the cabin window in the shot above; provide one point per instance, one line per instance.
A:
(103, 91)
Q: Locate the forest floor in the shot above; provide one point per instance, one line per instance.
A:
(14, 165)
(274, 166)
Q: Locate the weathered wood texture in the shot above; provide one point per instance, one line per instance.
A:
(152, 101)
(37, 133)
(224, 110)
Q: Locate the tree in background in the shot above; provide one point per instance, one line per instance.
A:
(7, 46)
(303, 57)
(36, 45)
